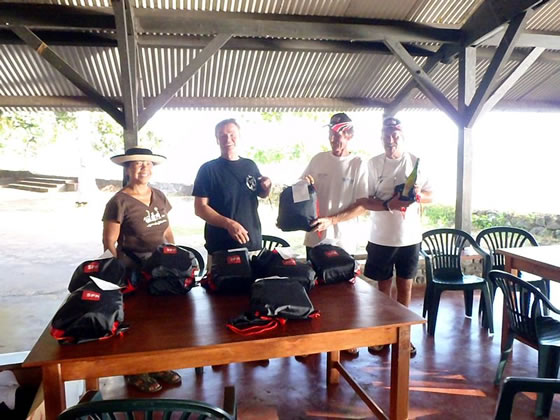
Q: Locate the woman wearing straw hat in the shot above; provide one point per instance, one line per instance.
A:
(135, 223)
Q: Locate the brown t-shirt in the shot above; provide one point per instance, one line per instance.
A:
(142, 226)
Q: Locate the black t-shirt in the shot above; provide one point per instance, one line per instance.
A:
(231, 189)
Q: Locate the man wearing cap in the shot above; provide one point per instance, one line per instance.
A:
(340, 179)
(396, 230)
(226, 191)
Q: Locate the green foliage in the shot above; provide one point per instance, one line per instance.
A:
(276, 155)
(483, 220)
(111, 140)
(436, 215)
(26, 131)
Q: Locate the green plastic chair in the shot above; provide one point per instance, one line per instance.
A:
(528, 323)
(442, 249)
(498, 237)
(93, 407)
(513, 385)
(271, 242)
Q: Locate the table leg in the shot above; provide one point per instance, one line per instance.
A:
(53, 389)
(400, 371)
(332, 373)
(92, 384)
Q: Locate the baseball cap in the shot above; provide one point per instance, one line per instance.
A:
(391, 124)
(340, 122)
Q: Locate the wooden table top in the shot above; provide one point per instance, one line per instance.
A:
(547, 256)
(159, 324)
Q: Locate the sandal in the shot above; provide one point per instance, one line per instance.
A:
(168, 376)
(412, 350)
(354, 351)
(143, 382)
(376, 349)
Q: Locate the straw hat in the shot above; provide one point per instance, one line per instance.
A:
(138, 153)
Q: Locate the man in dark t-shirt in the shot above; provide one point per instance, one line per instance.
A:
(225, 191)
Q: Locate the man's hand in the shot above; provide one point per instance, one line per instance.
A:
(396, 203)
(321, 224)
(237, 232)
(264, 186)
(309, 179)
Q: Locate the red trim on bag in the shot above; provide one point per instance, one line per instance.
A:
(91, 295)
(187, 284)
(208, 282)
(331, 253)
(315, 314)
(169, 249)
(289, 261)
(256, 329)
(233, 259)
(92, 267)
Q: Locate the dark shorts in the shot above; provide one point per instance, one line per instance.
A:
(381, 260)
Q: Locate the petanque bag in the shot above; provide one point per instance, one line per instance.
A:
(332, 264)
(230, 272)
(88, 313)
(297, 216)
(171, 270)
(273, 301)
(108, 269)
(282, 297)
(270, 263)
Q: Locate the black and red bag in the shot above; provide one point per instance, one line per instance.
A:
(333, 264)
(108, 269)
(297, 216)
(171, 270)
(230, 273)
(270, 263)
(274, 300)
(89, 313)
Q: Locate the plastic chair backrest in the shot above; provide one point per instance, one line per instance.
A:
(270, 242)
(513, 385)
(503, 237)
(444, 247)
(523, 303)
(144, 409)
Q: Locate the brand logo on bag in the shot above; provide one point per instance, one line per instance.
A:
(289, 261)
(234, 259)
(89, 295)
(92, 267)
(169, 250)
(332, 253)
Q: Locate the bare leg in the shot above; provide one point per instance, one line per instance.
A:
(404, 291)
(385, 286)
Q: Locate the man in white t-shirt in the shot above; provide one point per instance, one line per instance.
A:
(340, 179)
(396, 230)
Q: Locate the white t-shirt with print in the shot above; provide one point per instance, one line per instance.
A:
(339, 182)
(396, 228)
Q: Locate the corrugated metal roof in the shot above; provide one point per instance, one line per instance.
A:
(238, 73)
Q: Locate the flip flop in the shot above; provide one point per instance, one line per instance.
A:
(168, 376)
(143, 382)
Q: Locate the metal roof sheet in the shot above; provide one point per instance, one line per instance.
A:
(261, 73)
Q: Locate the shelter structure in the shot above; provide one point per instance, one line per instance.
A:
(132, 58)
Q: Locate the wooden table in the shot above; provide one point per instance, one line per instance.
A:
(189, 331)
(542, 261)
